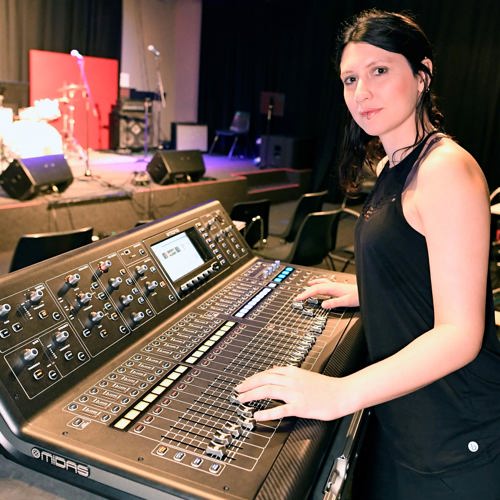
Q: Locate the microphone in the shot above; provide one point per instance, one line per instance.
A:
(76, 54)
(154, 50)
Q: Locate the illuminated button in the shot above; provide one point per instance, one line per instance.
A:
(214, 468)
(149, 398)
(122, 423)
(181, 369)
(166, 383)
(141, 406)
(191, 360)
(43, 314)
(158, 390)
(157, 410)
(197, 354)
(215, 337)
(209, 343)
(139, 428)
(204, 348)
(174, 375)
(132, 414)
(37, 374)
(161, 450)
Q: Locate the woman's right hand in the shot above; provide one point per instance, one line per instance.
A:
(343, 294)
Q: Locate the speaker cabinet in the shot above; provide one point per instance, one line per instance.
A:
(127, 128)
(188, 136)
(287, 152)
(29, 177)
(169, 167)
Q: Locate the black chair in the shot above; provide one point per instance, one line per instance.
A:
(312, 243)
(255, 215)
(343, 252)
(308, 203)
(239, 128)
(33, 248)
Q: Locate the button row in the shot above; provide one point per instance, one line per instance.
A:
(147, 399)
(210, 342)
(253, 302)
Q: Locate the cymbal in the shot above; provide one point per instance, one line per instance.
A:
(72, 87)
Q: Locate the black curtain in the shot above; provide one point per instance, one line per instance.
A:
(93, 27)
(287, 46)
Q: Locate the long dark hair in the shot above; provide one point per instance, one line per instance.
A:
(397, 33)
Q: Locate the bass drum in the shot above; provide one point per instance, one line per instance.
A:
(28, 139)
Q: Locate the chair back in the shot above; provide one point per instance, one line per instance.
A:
(308, 203)
(241, 122)
(255, 214)
(33, 248)
(313, 241)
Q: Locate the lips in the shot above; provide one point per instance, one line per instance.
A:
(368, 114)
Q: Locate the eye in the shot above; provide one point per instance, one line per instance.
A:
(380, 70)
(349, 80)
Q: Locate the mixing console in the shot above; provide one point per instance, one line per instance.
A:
(118, 363)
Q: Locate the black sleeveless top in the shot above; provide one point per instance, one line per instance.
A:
(454, 421)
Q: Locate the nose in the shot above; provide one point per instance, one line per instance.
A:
(362, 91)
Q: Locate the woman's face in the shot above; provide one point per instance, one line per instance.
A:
(380, 91)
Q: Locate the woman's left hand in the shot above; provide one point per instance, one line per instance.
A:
(304, 394)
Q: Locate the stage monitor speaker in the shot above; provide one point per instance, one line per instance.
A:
(28, 177)
(169, 167)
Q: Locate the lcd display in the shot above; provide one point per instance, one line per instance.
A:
(178, 255)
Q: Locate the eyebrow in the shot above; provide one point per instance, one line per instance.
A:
(375, 62)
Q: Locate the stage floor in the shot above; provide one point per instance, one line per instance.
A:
(114, 173)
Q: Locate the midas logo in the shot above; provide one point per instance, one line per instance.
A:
(62, 463)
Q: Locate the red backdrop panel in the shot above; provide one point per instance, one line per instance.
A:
(50, 72)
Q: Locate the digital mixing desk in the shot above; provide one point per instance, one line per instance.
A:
(118, 363)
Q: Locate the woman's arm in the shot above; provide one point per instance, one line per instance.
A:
(452, 211)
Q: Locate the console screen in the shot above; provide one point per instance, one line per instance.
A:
(178, 255)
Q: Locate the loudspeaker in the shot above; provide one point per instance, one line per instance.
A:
(126, 128)
(29, 177)
(168, 167)
(188, 136)
(287, 152)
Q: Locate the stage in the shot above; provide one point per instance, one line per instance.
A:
(119, 193)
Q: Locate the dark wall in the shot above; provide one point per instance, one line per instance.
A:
(287, 46)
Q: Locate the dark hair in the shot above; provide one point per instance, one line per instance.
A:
(397, 33)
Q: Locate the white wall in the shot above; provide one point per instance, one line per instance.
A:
(174, 28)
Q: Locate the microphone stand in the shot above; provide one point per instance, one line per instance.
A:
(89, 101)
(163, 101)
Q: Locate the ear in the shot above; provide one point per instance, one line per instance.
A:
(424, 79)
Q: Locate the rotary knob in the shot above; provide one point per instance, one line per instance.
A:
(141, 270)
(137, 317)
(61, 336)
(114, 283)
(95, 317)
(81, 299)
(4, 310)
(103, 267)
(35, 296)
(151, 285)
(29, 354)
(125, 300)
(72, 279)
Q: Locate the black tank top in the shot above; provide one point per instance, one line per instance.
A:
(456, 420)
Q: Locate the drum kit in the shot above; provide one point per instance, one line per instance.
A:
(31, 134)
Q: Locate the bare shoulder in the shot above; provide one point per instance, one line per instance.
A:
(449, 168)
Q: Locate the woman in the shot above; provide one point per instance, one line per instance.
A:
(422, 247)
